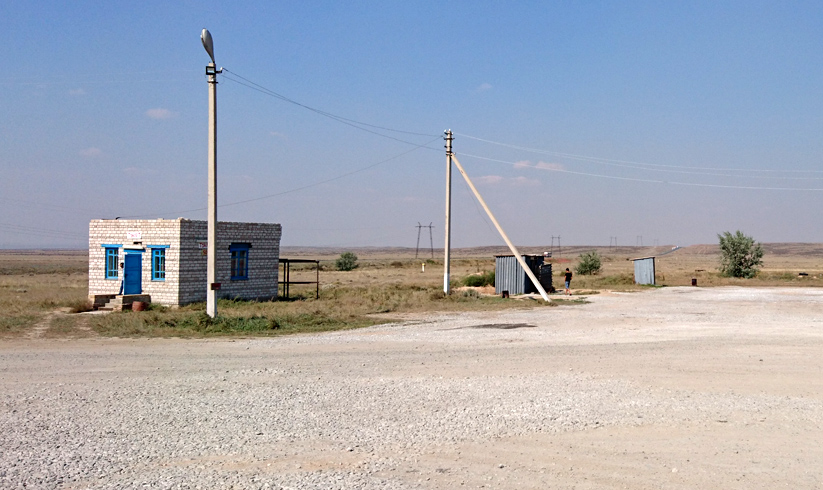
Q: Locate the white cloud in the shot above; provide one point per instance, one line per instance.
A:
(513, 182)
(490, 179)
(278, 135)
(91, 152)
(77, 91)
(541, 165)
(160, 113)
(549, 166)
(482, 88)
(524, 181)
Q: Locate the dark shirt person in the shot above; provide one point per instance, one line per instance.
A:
(568, 281)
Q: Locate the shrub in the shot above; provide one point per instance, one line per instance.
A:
(479, 280)
(589, 264)
(740, 255)
(346, 262)
(80, 305)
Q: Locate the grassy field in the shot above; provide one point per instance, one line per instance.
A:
(39, 290)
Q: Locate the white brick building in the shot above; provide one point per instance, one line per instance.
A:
(166, 259)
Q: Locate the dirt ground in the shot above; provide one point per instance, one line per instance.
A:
(669, 388)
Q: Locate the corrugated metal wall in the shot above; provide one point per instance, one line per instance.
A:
(509, 276)
(644, 271)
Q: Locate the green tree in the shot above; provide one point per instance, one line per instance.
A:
(740, 255)
(346, 262)
(589, 263)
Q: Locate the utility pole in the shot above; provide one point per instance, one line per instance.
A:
(431, 240)
(612, 239)
(417, 248)
(447, 255)
(211, 268)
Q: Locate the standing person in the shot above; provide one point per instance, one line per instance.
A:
(568, 281)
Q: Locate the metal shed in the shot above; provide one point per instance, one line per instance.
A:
(509, 276)
(644, 270)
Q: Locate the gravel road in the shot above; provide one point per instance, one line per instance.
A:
(668, 388)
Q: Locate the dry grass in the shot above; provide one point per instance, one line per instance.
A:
(36, 283)
(338, 308)
(389, 281)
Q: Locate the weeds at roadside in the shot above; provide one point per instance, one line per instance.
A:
(79, 305)
(16, 324)
(575, 301)
(337, 309)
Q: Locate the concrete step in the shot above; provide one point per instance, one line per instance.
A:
(124, 302)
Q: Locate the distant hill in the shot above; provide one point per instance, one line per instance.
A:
(782, 249)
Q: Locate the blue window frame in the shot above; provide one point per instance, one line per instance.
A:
(112, 262)
(158, 264)
(239, 261)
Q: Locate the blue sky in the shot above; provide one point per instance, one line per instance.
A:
(673, 121)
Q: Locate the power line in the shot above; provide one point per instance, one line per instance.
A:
(28, 230)
(610, 160)
(50, 207)
(296, 189)
(343, 120)
(649, 181)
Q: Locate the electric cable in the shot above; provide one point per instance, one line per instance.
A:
(646, 166)
(28, 230)
(296, 189)
(349, 122)
(272, 93)
(650, 181)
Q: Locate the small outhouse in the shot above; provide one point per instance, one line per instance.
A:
(166, 259)
(510, 276)
(644, 270)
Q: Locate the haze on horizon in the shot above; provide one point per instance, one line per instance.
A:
(673, 122)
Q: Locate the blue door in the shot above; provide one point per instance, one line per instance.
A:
(132, 271)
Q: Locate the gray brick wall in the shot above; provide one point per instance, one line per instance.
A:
(185, 260)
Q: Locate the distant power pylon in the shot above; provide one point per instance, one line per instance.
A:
(559, 251)
(612, 239)
(431, 240)
(639, 242)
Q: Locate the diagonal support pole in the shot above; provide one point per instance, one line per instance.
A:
(517, 255)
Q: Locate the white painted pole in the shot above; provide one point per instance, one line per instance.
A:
(448, 226)
(211, 268)
(517, 255)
